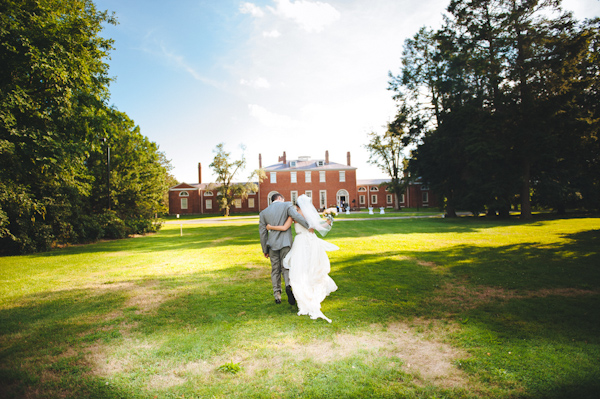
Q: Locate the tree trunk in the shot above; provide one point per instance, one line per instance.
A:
(450, 208)
(525, 186)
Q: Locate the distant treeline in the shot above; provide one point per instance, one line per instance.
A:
(55, 131)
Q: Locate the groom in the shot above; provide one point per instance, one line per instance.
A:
(276, 244)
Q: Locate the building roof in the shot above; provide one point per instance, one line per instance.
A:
(371, 182)
(304, 164)
(201, 186)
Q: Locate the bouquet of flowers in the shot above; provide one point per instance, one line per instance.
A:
(330, 213)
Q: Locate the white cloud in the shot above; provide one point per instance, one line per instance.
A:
(252, 9)
(259, 83)
(312, 16)
(274, 33)
(270, 119)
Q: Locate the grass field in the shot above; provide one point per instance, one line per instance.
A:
(426, 308)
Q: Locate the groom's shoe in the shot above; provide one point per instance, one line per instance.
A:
(290, 295)
(277, 297)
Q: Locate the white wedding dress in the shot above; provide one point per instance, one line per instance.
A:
(309, 272)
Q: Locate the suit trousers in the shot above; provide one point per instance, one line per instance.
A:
(277, 268)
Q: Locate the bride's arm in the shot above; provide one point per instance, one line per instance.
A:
(287, 225)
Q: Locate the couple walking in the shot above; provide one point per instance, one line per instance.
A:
(304, 264)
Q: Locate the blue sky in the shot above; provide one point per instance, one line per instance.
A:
(300, 76)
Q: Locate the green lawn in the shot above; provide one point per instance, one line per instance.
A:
(426, 308)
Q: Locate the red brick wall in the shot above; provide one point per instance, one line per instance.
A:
(197, 203)
(331, 185)
(413, 197)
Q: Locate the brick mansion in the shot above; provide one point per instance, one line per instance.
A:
(329, 184)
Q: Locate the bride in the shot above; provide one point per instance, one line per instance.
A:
(308, 262)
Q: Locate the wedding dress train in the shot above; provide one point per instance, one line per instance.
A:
(309, 272)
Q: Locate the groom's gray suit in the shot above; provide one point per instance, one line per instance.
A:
(277, 244)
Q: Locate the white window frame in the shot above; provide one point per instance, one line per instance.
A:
(322, 199)
(293, 164)
(362, 189)
(208, 204)
(184, 203)
(320, 163)
(308, 193)
(293, 177)
(294, 197)
(273, 177)
(361, 199)
(374, 188)
(184, 194)
(208, 194)
(390, 198)
(342, 176)
(373, 199)
(237, 203)
(308, 176)
(425, 197)
(402, 198)
(322, 176)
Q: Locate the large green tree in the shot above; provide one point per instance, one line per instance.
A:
(53, 117)
(511, 86)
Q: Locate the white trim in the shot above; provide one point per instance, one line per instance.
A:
(184, 194)
(342, 176)
(293, 177)
(273, 177)
(308, 174)
(322, 175)
(184, 203)
(322, 199)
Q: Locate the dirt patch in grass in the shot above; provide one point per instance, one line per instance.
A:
(425, 356)
(429, 360)
(464, 297)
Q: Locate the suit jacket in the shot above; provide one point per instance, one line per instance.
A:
(276, 214)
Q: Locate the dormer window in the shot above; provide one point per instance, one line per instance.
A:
(293, 164)
(320, 163)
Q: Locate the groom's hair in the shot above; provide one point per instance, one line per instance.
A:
(275, 197)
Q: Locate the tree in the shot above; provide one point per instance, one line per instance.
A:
(53, 116)
(388, 150)
(226, 170)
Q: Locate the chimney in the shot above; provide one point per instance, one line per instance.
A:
(199, 173)
(259, 161)
(348, 158)
(326, 157)
(283, 159)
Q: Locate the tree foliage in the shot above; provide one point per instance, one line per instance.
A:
(226, 169)
(510, 91)
(53, 115)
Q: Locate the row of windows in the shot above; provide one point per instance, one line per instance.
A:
(237, 203)
(307, 177)
(390, 198)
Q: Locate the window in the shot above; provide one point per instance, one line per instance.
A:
(270, 196)
(425, 197)
(402, 198)
(250, 202)
(322, 176)
(208, 204)
(308, 193)
(320, 163)
(389, 198)
(373, 199)
(342, 176)
(237, 203)
(184, 203)
(362, 189)
(184, 194)
(322, 199)
(293, 164)
(273, 177)
(307, 177)
(361, 199)
(294, 195)
(424, 188)
(374, 188)
(208, 194)
(293, 177)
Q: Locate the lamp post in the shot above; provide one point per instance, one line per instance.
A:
(107, 170)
